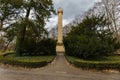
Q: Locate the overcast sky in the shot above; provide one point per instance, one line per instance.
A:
(71, 8)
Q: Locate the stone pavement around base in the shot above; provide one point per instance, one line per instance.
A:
(59, 69)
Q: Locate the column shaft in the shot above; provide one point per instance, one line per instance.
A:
(60, 36)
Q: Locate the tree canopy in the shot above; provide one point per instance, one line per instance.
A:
(25, 16)
(90, 38)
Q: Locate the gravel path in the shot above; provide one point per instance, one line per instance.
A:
(58, 70)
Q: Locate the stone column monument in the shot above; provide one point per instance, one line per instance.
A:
(60, 46)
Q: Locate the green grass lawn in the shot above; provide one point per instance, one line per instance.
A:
(30, 58)
(26, 61)
(100, 63)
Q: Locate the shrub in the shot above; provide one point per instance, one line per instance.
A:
(43, 47)
(84, 47)
(91, 38)
(46, 47)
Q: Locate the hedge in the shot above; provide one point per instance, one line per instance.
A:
(98, 65)
(33, 48)
(24, 64)
(27, 61)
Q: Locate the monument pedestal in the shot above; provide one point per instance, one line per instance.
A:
(60, 48)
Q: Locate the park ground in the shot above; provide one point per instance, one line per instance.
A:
(59, 69)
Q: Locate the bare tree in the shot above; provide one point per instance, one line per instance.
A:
(111, 10)
(53, 32)
(67, 28)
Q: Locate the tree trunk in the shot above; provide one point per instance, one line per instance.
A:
(21, 35)
(1, 24)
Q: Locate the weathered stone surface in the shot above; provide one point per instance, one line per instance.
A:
(60, 48)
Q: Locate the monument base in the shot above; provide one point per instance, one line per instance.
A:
(60, 48)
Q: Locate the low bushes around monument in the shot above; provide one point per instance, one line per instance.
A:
(26, 61)
(33, 54)
(100, 63)
(85, 47)
(46, 47)
(42, 47)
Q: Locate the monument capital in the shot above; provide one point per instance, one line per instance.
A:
(60, 10)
